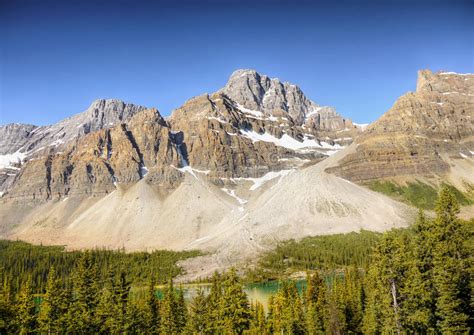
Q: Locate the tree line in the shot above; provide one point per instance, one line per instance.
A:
(418, 282)
(21, 261)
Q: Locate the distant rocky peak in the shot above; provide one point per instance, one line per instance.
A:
(268, 95)
(444, 82)
(103, 112)
(274, 98)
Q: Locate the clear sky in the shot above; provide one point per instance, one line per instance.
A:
(57, 57)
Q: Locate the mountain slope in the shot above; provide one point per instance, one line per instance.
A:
(235, 171)
(427, 134)
(23, 142)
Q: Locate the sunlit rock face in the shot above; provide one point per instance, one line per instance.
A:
(419, 132)
(254, 125)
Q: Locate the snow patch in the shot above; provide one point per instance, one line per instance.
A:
(458, 74)
(217, 119)
(233, 195)
(313, 112)
(258, 182)
(255, 113)
(189, 170)
(288, 142)
(362, 126)
(57, 142)
(462, 155)
(8, 160)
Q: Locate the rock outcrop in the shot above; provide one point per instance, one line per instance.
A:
(116, 143)
(270, 96)
(95, 164)
(420, 135)
(26, 142)
(14, 136)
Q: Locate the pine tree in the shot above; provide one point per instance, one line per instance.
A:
(181, 311)
(168, 324)
(136, 319)
(214, 324)
(152, 314)
(418, 310)
(287, 310)
(198, 310)
(107, 311)
(258, 324)
(26, 319)
(451, 276)
(53, 307)
(81, 315)
(6, 308)
(315, 304)
(387, 275)
(234, 306)
(122, 292)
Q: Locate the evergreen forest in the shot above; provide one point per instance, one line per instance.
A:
(406, 281)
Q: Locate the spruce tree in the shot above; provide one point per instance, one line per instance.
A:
(387, 275)
(181, 311)
(418, 310)
(168, 322)
(198, 313)
(7, 315)
(152, 313)
(234, 306)
(53, 306)
(287, 310)
(258, 321)
(26, 318)
(122, 293)
(81, 315)
(136, 319)
(450, 267)
(353, 300)
(106, 312)
(214, 324)
(315, 304)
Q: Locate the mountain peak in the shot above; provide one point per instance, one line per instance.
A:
(255, 91)
(258, 92)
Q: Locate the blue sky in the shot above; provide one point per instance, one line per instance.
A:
(56, 57)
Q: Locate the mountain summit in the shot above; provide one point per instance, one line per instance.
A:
(274, 98)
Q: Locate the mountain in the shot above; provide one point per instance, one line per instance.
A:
(212, 133)
(273, 98)
(231, 172)
(427, 135)
(19, 143)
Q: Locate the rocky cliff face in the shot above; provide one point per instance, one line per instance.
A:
(95, 164)
(253, 126)
(14, 136)
(270, 96)
(420, 134)
(26, 142)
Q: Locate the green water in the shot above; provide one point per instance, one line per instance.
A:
(260, 292)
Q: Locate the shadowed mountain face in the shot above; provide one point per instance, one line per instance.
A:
(232, 172)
